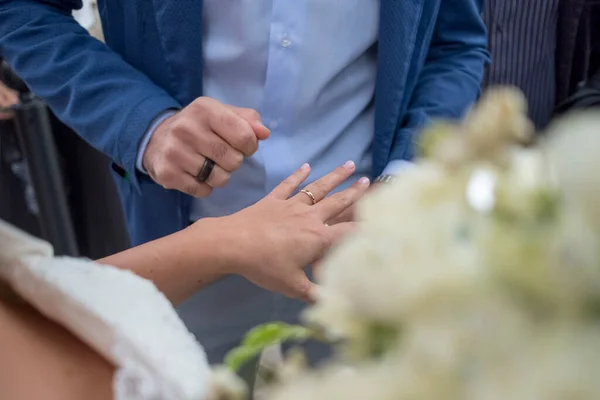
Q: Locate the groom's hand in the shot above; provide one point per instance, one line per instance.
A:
(206, 128)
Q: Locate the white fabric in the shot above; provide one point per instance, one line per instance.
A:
(86, 16)
(123, 317)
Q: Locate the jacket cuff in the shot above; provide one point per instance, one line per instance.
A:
(139, 121)
(147, 136)
(394, 167)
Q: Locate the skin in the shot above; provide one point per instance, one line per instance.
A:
(8, 97)
(283, 231)
(205, 128)
(40, 359)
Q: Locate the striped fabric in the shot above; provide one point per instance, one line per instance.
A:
(522, 41)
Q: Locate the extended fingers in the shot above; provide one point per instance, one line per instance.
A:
(321, 187)
(337, 203)
(285, 189)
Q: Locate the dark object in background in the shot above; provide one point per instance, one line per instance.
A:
(93, 204)
(14, 206)
(578, 46)
(587, 96)
(579, 61)
(34, 132)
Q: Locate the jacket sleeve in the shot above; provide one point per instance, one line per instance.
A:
(89, 87)
(450, 80)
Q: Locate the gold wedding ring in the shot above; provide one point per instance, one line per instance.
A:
(310, 195)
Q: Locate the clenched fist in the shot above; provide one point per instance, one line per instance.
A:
(206, 129)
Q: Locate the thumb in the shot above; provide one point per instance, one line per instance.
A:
(315, 266)
(253, 119)
(304, 289)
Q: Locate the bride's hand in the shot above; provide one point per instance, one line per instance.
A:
(271, 242)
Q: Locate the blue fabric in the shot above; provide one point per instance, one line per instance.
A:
(431, 56)
(313, 88)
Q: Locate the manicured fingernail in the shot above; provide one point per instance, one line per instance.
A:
(349, 165)
(305, 167)
(364, 181)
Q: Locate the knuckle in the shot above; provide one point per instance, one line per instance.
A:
(289, 181)
(221, 180)
(202, 102)
(252, 114)
(170, 151)
(196, 190)
(180, 128)
(229, 120)
(164, 176)
(245, 140)
(321, 187)
(218, 151)
(300, 288)
(342, 200)
(240, 132)
(192, 190)
(326, 239)
(237, 160)
(247, 137)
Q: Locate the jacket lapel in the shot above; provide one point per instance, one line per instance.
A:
(399, 32)
(179, 23)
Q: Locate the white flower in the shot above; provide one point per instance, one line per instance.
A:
(416, 239)
(476, 276)
(225, 385)
(574, 150)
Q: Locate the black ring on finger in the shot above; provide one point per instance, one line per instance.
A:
(206, 170)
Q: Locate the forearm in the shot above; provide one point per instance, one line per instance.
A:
(178, 264)
(40, 359)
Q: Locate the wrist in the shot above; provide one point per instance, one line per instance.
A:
(212, 243)
(156, 123)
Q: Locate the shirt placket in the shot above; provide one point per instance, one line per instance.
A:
(282, 78)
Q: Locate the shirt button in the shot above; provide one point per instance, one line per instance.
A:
(286, 42)
(273, 124)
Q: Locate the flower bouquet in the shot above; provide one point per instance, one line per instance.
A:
(476, 275)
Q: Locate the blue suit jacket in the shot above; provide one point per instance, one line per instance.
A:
(431, 56)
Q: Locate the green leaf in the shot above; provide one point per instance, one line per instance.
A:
(262, 337)
(241, 355)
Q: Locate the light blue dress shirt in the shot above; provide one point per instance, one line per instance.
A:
(308, 67)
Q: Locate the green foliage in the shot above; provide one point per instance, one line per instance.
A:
(262, 337)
